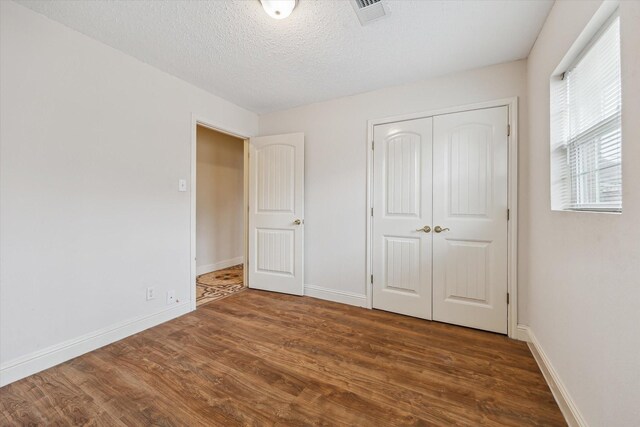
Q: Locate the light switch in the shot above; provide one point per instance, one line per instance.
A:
(182, 185)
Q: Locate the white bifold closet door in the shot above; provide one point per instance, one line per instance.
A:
(448, 173)
(276, 213)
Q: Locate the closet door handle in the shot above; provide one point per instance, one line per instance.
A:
(439, 229)
(426, 229)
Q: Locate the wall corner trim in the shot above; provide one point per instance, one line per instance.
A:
(334, 295)
(522, 333)
(567, 405)
(46, 358)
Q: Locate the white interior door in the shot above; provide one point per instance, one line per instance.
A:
(276, 213)
(470, 204)
(402, 253)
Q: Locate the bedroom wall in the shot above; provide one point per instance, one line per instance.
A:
(92, 145)
(219, 201)
(335, 164)
(583, 269)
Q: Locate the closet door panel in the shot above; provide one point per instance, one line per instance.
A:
(401, 209)
(470, 155)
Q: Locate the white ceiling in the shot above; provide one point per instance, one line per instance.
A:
(235, 50)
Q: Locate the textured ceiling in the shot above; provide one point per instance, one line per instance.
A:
(235, 50)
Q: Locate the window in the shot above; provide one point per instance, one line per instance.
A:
(586, 127)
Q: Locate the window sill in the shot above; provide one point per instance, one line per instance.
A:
(587, 210)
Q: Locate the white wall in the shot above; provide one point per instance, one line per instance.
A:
(219, 200)
(336, 152)
(93, 143)
(584, 268)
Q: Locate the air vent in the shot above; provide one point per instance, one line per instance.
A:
(370, 10)
(365, 3)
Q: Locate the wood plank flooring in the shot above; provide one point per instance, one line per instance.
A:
(259, 358)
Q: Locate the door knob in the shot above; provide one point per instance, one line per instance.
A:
(297, 222)
(439, 229)
(426, 229)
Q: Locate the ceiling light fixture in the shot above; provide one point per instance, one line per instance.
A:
(278, 9)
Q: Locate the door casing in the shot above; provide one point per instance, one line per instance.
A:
(513, 329)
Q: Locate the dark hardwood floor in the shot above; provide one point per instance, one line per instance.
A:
(258, 358)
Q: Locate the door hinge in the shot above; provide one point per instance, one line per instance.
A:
(373, 143)
(508, 130)
(371, 211)
(372, 279)
(508, 214)
(507, 298)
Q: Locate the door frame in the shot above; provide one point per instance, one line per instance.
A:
(211, 124)
(513, 331)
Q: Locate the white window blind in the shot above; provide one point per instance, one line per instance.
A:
(586, 106)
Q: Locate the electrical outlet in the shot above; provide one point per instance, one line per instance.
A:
(171, 297)
(151, 293)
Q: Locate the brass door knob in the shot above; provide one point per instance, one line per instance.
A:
(297, 222)
(439, 229)
(426, 229)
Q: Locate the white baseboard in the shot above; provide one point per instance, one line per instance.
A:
(522, 333)
(568, 407)
(334, 295)
(46, 358)
(208, 268)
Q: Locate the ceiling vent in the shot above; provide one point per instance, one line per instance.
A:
(370, 10)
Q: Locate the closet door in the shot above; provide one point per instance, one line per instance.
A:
(402, 217)
(470, 206)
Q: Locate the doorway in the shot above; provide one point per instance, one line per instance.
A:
(220, 235)
(439, 225)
